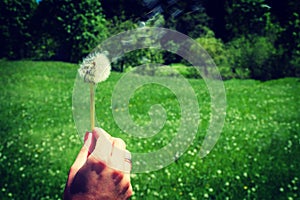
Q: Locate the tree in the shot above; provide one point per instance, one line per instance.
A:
(15, 35)
(188, 17)
(245, 17)
(133, 10)
(76, 26)
(288, 41)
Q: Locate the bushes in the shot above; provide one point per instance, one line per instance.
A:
(216, 49)
(137, 58)
(252, 57)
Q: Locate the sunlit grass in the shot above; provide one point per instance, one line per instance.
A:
(256, 157)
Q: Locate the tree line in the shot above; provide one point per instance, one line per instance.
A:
(246, 38)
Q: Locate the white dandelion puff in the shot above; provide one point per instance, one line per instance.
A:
(95, 68)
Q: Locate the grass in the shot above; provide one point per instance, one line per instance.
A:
(256, 157)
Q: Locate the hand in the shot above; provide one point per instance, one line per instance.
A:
(101, 169)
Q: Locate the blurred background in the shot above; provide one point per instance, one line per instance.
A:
(254, 43)
(247, 39)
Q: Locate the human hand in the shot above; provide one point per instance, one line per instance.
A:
(101, 169)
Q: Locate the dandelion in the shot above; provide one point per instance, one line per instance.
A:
(95, 68)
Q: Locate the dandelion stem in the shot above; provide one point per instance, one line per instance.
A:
(92, 105)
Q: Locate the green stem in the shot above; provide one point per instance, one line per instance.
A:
(92, 105)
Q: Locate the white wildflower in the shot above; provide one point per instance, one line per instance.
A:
(95, 68)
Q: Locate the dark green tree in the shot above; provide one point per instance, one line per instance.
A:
(188, 17)
(15, 22)
(75, 26)
(245, 17)
(287, 13)
(132, 10)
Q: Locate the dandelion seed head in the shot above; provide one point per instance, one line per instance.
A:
(95, 68)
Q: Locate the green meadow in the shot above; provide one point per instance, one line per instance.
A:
(256, 157)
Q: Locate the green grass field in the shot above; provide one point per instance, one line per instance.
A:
(256, 157)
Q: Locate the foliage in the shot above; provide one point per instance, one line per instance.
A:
(250, 58)
(137, 57)
(15, 26)
(188, 17)
(45, 47)
(245, 17)
(244, 57)
(256, 156)
(81, 26)
(129, 9)
(68, 30)
(217, 51)
(290, 43)
(119, 24)
(187, 71)
(278, 22)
